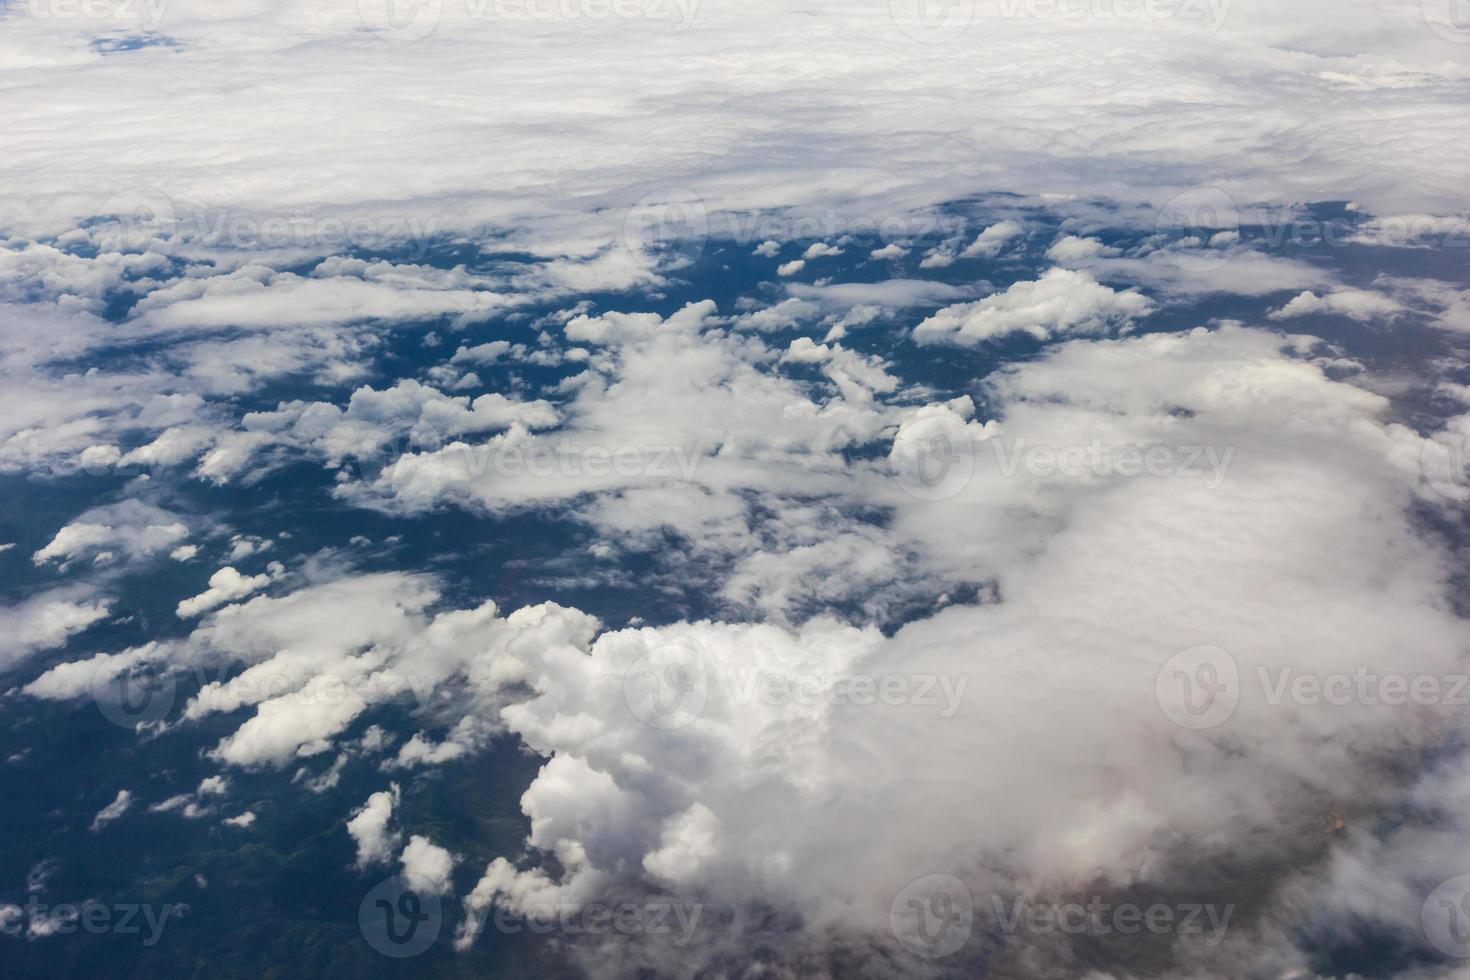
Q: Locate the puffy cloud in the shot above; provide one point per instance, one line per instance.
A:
(817, 483)
(1071, 248)
(375, 422)
(719, 788)
(422, 859)
(784, 315)
(1062, 301)
(487, 353)
(120, 805)
(1359, 304)
(251, 298)
(131, 527)
(989, 243)
(77, 678)
(368, 828)
(316, 658)
(197, 804)
(893, 294)
(782, 750)
(225, 585)
(47, 619)
(820, 250)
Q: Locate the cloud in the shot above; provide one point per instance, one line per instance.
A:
(47, 619)
(989, 243)
(424, 860)
(112, 811)
(1031, 547)
(726, 788)
(785, 315)
(259, 298)
(1358, 304)
(734, 793)
(78, 678)
(1061, 302)
(131, 527)
(368, 828)
(1071, 248)
(225, 585)
(487, 353)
